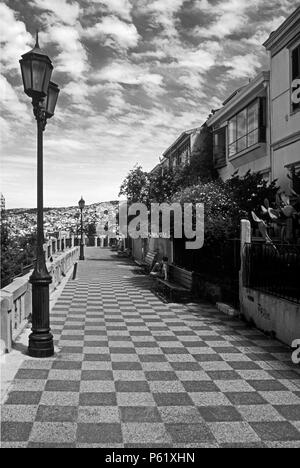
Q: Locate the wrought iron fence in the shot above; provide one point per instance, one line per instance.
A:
(273, 269)
(219, 264)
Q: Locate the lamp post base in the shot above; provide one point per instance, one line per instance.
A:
(81, 254)
(41, 339)
(41, 345)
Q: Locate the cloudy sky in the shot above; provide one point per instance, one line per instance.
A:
(133, 74)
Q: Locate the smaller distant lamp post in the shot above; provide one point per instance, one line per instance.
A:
(81, 205)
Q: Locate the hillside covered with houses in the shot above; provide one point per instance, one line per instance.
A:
(22, 222)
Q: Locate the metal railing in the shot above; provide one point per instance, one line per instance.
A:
(219, 264)
(273, 269)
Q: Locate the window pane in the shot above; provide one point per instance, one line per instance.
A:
(296, 63)
(253, 117)
(222, 139)
(220, 148)
(232, 130)
(219, 139)
(242, 144)
(253, 138)
(296, 71)
(242, 124)
(232, 149)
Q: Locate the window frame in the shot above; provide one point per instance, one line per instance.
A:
(293, 110)
(216, 132)
(260, 129)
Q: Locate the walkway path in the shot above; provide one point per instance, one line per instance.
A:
(131, 371)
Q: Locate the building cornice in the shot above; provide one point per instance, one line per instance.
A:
(237, 102)
(284, 34)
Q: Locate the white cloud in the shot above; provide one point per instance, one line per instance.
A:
(15, 40)
(121, 8)
(15, 114)
(148, 55)
(119, 72)
(191, 80)
(230, 16)
(72, 58)
(10, 102)
(263, 31)
(243, 66)
(124, 72)
(5, 134)
(78, 91)
(202, 58)
(114, 32)
(62, 10)
(162, 13)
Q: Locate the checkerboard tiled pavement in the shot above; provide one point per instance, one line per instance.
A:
(133, 372)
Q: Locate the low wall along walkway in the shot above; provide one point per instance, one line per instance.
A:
(269, 313)
(15, 299)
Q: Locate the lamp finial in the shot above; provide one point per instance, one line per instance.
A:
(37, 46)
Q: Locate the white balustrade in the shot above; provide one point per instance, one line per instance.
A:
(16, 300)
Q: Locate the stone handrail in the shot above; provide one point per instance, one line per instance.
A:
(15, 299)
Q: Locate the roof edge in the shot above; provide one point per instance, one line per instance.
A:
(245, 91)
(276, 35)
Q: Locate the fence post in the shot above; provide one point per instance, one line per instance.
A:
(245, 239)
(45, 247)
(6, 306)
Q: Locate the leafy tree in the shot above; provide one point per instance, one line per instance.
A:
(146, 188)
(91, 230)
(136, 186)
(200, 167)
(164, 186)
(15, 253)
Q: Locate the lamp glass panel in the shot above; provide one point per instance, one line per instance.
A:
(47, 78)
(38, 76)
(51, 100)
(26, 74)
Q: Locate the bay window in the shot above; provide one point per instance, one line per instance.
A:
(247, 128)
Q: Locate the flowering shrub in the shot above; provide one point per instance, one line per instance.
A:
(251, 190)
(222, 212)
(226, 203)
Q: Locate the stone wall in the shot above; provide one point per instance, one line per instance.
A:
(15, 299)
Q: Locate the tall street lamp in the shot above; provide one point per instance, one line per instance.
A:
(81, 204)
(36, 70)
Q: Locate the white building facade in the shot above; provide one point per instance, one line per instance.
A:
(284, 48)
(241, 130)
